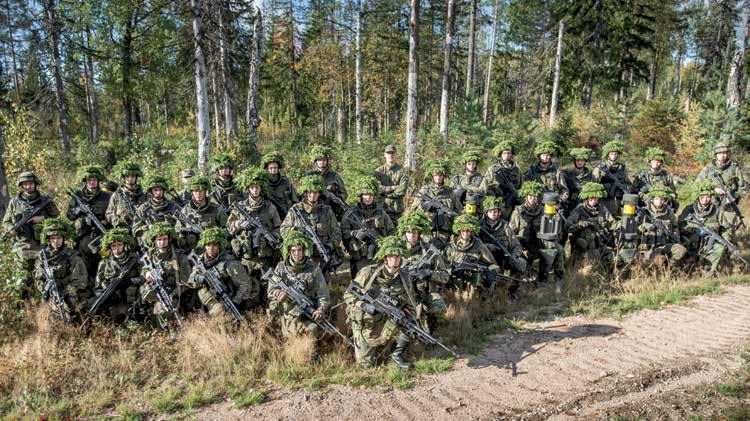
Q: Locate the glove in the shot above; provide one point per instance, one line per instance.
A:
(199, 279)
(584, 224)
(333, 188)
(360, 235)
(368, 308)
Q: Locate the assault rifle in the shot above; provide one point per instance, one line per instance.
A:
(85, 209)
(370, 234)
(157, 286)
(429, 204)
(50, 288)
(26, 217)
(260, 229)
(422, 268)
(384, 304)
(659, 226)
(729, 198)
(211, 277)
(311, 233)
(497, 243)
(294, 290)
(489, 276)
(102, 298)
(704, 231)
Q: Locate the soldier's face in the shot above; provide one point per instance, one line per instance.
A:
(654, 164)
(312, 196)
(28, 186)
(613, 156)
(367, 198)
(411, 237)
(157, 193)
(494, 214)
(199, 196)
(273, 168)
(131, 180)
(531, 200)
(722, 157)
(506, 155)
(592, 202)
(56, 241)
(254, 191)
(225, 172)
(161, 242)
(471, 166)
(658, 202)
(465, 235)
(117, 248)
(579, 163)
(92, 183)
(212, 250)
(704, 199)
(393, 262)
(297, 253)
(438, 179)
(321, 163)
(390, 157)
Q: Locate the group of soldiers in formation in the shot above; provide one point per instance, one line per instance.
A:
(238, 242)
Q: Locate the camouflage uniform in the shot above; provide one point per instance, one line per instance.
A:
(653, 242)
(206, 215)
(575, 178)
(501, 232)
(472, 250)
(591, 228)
(607, 173)
(28, 234)
(548, 175)
(184, 195)
(394, 182)
(644, 180)
(332, 181)
(124, 298)
(224, 191)
(730, 173)
(281, 191)
(503, 179)
(123, 203)
(86, 232)
(469, 184)
(442, 222)
(153, 211)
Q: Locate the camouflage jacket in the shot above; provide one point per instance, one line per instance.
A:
(469, 183)
(174, 265)
(721, 220)
(248, 243)
(526, 223)
(371, 218)
(282, 193)
(501, 231)
(730, 173)
(122, 206)
(149, 213)
(231, 273)
(394, 182)
(97, 201)
(70, 275)
(207, 216)
(643, 181)
(225, 194)
(473, 251)
(550, 178)
(438, 271)
(334, 184)
(109, 269)
(305, 277)
(20, 205)
(650, 235)
(503, 179)
(607, 172)
(396, 286)
(440, 222)
(574, 179)
(591, 223)
(320, 217)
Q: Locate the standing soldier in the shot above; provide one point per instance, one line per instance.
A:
(298, 269)
(163, 260)
(470, 184)
(503, 178)
(363, 224)
(186, 176)
(471, 261)
(658, 228)
(224, 191)
(705, 213)
(496, 234)
(120, 266)
(316, 219)
(545, 171)
(231, 274)
(24, 216)
(372, 331)
(727, 178)
(613, 176)
(591, 226)
(121, 210)
(67, 269)
(280, 191)
(199, 214)
(156, 209)
(334, 192)
(87, 234)
(254, 225)
(655, 174)
(394, 182)
(439, 201)
(574, 178)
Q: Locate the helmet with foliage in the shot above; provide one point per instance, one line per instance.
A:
(91, 171)
(311, 183)
(545, 146)
(296, 238)
(116, 235)
(659, 190)
(319, 152)
(56, 226)
(437, 166)
(655, 154)
(153, 181)
(366, 185)
(213, 235)
(530, 188)
(582, 154)
(128, 168)
(590, 190)
(253, 176)
(200, 183)
(160, 228)
(612, 146)
(273, 156)
(415, 220)
(492, 202)
(466, 222)
(222, 160)
(391, 245)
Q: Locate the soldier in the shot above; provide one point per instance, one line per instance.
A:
(156, 209)
(472, 263)
(425, 264)
(659, 230)
(704, 212)
(363, 224)
(243, 291)
(297, 268)
(574, 178)
(545, 171)
(613, 176)
(471, 183)
(655, 173)
(174, 267)
(224, 191)
(497, 235)
(372, 331)
(527, 225)
(503, 178)
(87, 234)
(254, 225)
(199, 214)
(24, 216)
(310, 216)
(68, 270)
(121, 210)
(591, 226)
(394, 182)
(439, 201)
(280, 191)
(727, 178)
(334, 184)
(184, 195)
(120, 265)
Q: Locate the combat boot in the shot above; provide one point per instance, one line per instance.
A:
(398, 354)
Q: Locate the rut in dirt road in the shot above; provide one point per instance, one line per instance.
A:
(546, 365)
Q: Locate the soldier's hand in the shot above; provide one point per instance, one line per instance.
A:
(426, 206)
(720, 191)
(149, 277)
(333, 188)
(361, 234)
(368, 308)
(318, 315)
(37, 220)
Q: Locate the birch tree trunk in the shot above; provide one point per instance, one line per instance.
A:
(472, 51)
(556, 83)
(92, 101)
(734, 81)
(488, 82)
(12, 43)
(445, 95)
(358, 75)
(203, 125)
(226, 81)
(252, 118)
(410, 160)
(54, 44)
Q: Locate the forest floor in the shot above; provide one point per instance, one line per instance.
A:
(684, 361)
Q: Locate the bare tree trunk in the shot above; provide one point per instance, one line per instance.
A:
(588, 94)
(472, 51)
(11, 41)
(358, 75)
(215, 97)
(340, 115)
(226, 80)
(203, 125)
(91, 99)
(54, 41)
(4, 193)
(556, 83)
(493, 40)
(445, 95)
(654, 73)
(410, 160)
(734, 81)
(252, 118)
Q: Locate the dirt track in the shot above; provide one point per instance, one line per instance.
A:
(570, 367)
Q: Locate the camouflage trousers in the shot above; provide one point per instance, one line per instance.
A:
(372, 335)
(672, 251)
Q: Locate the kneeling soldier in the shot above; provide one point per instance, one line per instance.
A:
(660, 233)
(471, 261)
(117, 277)
(497, 235)
(591, 226)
